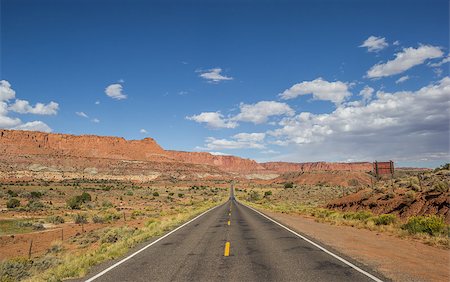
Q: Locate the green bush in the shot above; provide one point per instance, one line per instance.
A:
(384, 219)
(35, 194)
(430, 224)
(267, 194)
(361, 215)
(440, 186)
(107, 204)
(74, 203)
(15, 269)
(12, 203)
(80, 219)
(98, 219)
(155, 194)
(85, 197)
(56, 219)
(35, 205)
(288, 185)
(254, 196)
(180, 195)
(11, 193)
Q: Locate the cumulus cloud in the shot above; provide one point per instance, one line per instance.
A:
(95, 120)
(34, 126)
(115, 91)
(82, 114)
(402, 79)
(260, 112)
(6, 92)
(143, 131)
(24, 107)
(366, 93)
(218, 154)
(214, 75)
(238, 141)
(321, 89)
(404, 60)
(374, 44)
(213, 120)
(404, 125)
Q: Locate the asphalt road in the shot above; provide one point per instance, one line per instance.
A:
(259, 250)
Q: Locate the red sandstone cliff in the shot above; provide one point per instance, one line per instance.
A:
(38, 151)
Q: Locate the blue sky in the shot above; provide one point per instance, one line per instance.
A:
(268, 80)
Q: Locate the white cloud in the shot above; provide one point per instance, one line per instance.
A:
(143, 131)
(82, 114)
(250, 137)
(443, 61)
(401, 125)
(335, 92)
(24, 107)
(213, 119)
(34, 126)
(97, 102)
(115, 91)
(366, 93)
(95, 120)
(404, 60)
(260, 112)
(226, 144)
(396, 43)
(374, 44)
(213, 75)
(6, 92)
(218, 154)
(402, 79)
(7, 122)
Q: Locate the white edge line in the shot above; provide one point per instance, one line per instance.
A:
(147, 246)
(318, 246)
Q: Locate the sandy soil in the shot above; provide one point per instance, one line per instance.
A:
(398, 259)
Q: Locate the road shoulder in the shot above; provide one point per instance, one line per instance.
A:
(395, 258)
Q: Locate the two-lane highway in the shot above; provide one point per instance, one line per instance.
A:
(232, 243)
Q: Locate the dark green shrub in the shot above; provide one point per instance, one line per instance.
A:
(35, 205)
(85, 197)
(267, 194)
(180, 195)
(35, 194)
(12, 203)
(155, 194)
(11, 193)
(431, 224)
(74, 203)
(288, 185)
(384, 219)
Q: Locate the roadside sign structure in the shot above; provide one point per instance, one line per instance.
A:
(383, 168)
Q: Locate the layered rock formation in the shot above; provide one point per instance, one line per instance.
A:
(30, 154)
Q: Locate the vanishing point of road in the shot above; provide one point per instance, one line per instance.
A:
(232, 242)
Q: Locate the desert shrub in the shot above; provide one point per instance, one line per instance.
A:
(360, 215)
(35, 205)
(11, 193)
(180, 195)
(35, 194)
(384, 219)
(38, 226)
(98, 219)
(322, 213)
(12, 203)
(431, 224)
(254, 196)
(267, 194)
(288, 185)
(129, 193)
(353, 182)
(15, 269)
(56, 219)
(80, 219)
(440, 186)
(155, 194)
(171, 193)
(115, 234)
(410, 195)
(111, 216)
(85, 197)
(107, 204)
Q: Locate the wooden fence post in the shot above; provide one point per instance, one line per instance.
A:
(29, 250)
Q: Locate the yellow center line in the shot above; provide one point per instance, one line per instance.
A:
(229, 222)
(226, 253)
